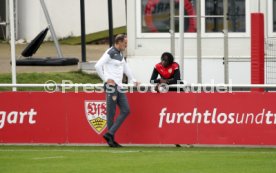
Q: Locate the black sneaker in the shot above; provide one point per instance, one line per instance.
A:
(177, 145)
(109, 139)
(117, 144)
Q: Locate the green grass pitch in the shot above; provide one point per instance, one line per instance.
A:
(133, 159)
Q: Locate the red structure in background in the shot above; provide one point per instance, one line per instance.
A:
(257, 49)
(151, 5)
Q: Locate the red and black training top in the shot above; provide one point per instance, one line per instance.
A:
(170, 73)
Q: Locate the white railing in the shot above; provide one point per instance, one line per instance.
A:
(267, 86)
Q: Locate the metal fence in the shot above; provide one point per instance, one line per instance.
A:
(270, 61)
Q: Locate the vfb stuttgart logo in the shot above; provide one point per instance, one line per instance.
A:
(96, 115)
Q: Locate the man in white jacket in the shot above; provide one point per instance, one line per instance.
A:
(111, 68)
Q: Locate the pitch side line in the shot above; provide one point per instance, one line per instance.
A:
(48, 158)
(140, 151)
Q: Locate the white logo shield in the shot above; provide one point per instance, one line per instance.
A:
(96, 115)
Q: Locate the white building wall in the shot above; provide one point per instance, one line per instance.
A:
(65, 16)
(144, 52)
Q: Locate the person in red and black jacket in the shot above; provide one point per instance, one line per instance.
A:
(167, 69)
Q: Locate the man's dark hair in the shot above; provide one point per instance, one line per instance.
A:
(169, 56)
(120, 38)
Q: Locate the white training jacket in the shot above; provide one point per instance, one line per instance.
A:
(112, 65)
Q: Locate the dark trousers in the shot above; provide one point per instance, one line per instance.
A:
(113, 98)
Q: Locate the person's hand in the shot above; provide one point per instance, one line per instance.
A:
(110, 82)
(136, 84)
(156, 88)
(163, 81)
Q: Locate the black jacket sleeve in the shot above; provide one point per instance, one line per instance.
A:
(154, 76)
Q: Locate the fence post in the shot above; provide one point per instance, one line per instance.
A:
(257, 50)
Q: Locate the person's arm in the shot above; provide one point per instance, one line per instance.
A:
(100, 64)
(128, 72)
(154, 76)
(175, 77)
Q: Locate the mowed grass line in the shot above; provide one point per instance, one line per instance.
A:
(42, 78)
(67, 159)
